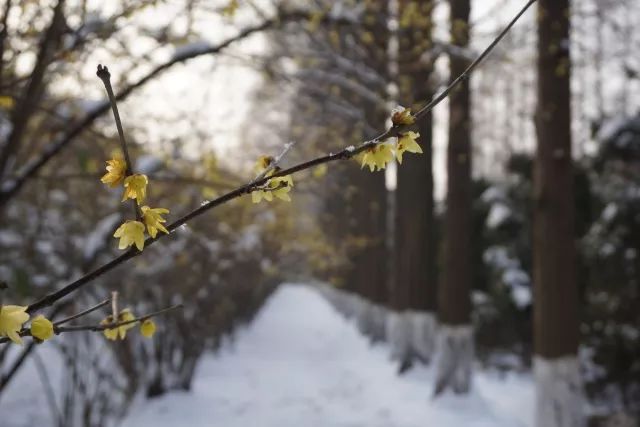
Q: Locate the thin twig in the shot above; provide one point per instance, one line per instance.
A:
(346, 153)
(98, 328)
(82, 313)
(51, 150)
(275, 163)
(104, 75)
(465, 75)
(114, 305)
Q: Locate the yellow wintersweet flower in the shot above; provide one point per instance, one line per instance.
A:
(6, 102)
(130, 233)
(377, 156)
(135, 187)
(11, 319)
(120, 331)
(116, 171)
(148, 328)
(282, 185)
(320, 171)
(402, 116)
(279, 187)
(407, 142)
(153, 220)
(263, 163)
(110, 334)
(258, 195)
(41, 328)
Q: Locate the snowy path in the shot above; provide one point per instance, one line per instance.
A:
(301, 364)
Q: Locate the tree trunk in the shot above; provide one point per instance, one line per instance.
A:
(371, 210)
(456, 337)
(554, 254)
(414, 298)
(355, 202)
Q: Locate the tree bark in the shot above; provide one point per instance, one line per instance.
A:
(554, 253)
(414, 290)
(370, 266)
(454, 306)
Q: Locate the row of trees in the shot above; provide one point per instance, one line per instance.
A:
(428, 264)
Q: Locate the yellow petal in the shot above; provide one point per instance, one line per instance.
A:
(148, 328)
(41, 328)
(110, 334)
(15, 337)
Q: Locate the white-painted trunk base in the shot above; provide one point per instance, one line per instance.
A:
(423, 334)
(371, 321)
(559, 396)
(455, 358)
(399, 335)
(350, 305)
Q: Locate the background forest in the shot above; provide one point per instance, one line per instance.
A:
(508, 247)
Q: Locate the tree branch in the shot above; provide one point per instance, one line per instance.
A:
(82, 313)
(346, 153)
(31, 96)
(97, 328)
(465, 75)
(12, 187)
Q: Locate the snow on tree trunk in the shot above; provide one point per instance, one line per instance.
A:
(559, 398)
(455, 357)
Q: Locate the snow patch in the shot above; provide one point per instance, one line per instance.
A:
(498, 214)
(95, 240)
(302, 364)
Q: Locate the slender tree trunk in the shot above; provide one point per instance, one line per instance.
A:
(371, 269)
(413, 321)
(455, 342)
(356, 209)
(556, 367)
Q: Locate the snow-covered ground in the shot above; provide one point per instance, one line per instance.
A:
(302, 364)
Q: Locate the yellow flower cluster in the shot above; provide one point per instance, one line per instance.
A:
(126, 321)
(379, 155)
(12, 317)
(279, 186)
(135, 187)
